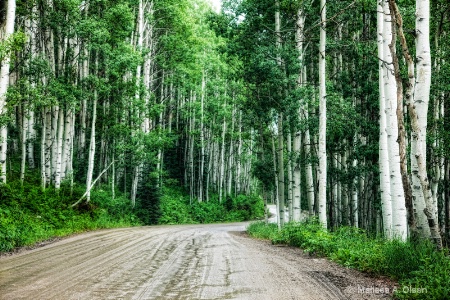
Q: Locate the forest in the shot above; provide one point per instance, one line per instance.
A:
(130, 112)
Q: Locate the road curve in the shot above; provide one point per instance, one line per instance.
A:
(176, 262)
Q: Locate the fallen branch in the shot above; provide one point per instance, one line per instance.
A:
(92, 185)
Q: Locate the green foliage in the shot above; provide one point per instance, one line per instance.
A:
(28, 215)
(422, 272)
(174, 208)
(262, 230)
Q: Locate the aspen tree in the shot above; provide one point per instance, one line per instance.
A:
(386, 200)
(280, 150)
(231, 151)
(420, 109)
(202, 138)
(221, 180)
(398, 209)
(139, 45)
(59, 146)
(322, 200)
(296, 195)
(289, 173)
(417, 96)
(91, 158)
(310, 194)
(7, 31)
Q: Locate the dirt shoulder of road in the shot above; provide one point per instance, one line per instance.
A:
(352, 283)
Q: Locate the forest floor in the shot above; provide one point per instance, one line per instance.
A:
(179, 262)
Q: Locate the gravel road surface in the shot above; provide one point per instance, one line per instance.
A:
(178, 262)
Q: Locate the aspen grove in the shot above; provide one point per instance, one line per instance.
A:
(329, 109)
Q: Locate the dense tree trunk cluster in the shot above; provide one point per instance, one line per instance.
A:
(121, 93)
(336, 172)
(282, 98)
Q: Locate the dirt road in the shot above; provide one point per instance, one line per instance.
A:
(177, 262)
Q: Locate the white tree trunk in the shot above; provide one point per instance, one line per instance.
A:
(59, 145)
(300, 37)
(322, 200)
(222, 158)
(355, 199)
(275, 176)
(399, 223)
(420, 108)
(202, 139)
(43, 156)
(91, 158)
(289, 173)
(8, 30)
(24, 126)
(385, 188)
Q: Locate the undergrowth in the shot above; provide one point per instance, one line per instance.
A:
(176, 208)
(29, 215)
(422, 272)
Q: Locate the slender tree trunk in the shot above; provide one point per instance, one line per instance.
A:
(275, 176)
(43, 150)
(395, 129)
(289, 173)
(4, 82)
(91, 158)
(385, 189)
(202, 139)
(59, 143)
(24, 130)
(222, 158)
(322, 201)
(296, 195)
(419, 110)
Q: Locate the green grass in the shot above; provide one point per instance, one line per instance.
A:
(415, 266)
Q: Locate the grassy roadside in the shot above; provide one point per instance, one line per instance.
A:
(422, 272)
(29, 216)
